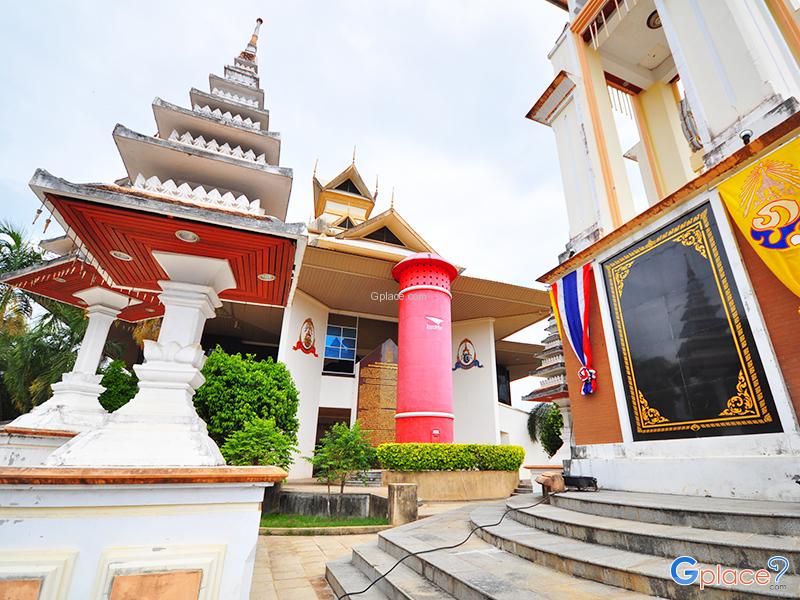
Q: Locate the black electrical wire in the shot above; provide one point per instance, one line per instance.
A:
(461, 543)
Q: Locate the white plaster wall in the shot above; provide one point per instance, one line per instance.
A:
(475, 390)
(306, 370)
(514, 422)
(576, 171)
(338, 392)
(91, 519)
(27, 450)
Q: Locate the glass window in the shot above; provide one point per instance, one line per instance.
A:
(340, 344)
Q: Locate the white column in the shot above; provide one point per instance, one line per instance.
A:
(74, 405)
(159, 426)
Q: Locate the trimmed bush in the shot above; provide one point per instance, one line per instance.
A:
(450, 457)
(120, 383)
(259, 443)
(239, 389)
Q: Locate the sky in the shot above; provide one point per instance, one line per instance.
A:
(432, 93)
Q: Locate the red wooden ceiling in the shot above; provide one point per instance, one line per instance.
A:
(103, 228)
(61, 281)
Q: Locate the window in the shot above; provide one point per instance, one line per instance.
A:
(384, 234)
(348, 186)
(340, 344)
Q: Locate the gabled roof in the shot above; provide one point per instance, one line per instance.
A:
(391, 220)
(351, 173)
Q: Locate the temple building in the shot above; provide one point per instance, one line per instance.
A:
(677, 125)
(319, 297)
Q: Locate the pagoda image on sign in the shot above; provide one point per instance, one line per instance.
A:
(198, 219)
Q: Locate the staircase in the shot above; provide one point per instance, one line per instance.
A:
(582, 545)
(523, 487)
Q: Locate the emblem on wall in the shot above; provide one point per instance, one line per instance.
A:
(466, 357)
(305, 343)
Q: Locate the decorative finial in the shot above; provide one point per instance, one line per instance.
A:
(375, 195)
(391, 202)
(249, 53)
(314, 174)
(354, 155)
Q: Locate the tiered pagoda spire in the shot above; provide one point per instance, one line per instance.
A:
(218, 154)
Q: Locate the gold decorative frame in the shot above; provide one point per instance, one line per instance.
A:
(748, 406)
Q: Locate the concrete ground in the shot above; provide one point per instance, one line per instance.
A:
(293, 567)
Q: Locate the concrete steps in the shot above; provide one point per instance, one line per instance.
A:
(584, 545)
(524, 487)
(474, 571)
(635, 571)
(753, 516)
(344, 577)
(402, 583)
(733, 548)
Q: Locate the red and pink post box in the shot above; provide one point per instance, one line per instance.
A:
(424, 378)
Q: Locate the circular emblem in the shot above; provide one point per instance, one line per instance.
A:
(307, 335)
(467, 356)
(307, 338)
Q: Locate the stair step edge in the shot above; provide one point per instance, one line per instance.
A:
(401, 579)
(581, 552)
(341, 572)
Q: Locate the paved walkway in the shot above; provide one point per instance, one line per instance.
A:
(293, 567)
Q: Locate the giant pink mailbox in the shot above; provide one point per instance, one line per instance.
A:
(424, 377)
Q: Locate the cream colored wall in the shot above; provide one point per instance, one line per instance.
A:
(615, 150)
(670, 149)
(475, 390)
(306, 370)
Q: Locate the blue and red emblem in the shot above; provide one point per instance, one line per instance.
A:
(570, 299)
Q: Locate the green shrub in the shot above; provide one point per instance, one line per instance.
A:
(342, 453)
(260, 442)
(120, 383)
(545, 424)
(450, 457)
(239, 389)
(500, 458)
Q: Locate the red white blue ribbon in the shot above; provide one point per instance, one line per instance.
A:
(570, 299)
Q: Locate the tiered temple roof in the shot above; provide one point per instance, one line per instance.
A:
(208, 183)
(219, 152)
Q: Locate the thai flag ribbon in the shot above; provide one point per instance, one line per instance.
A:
(570, 299)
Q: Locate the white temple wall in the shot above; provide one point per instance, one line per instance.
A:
(513, 425)
(475, 390)
(91, 533)
(306, 370)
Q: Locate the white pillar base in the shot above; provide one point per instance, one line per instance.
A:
(72, 407)
(159, 427)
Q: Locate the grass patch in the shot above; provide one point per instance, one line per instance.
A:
(279, 520)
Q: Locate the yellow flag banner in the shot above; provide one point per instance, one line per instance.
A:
(764, 200)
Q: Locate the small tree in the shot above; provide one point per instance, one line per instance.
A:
(260, 442)
(121, 385)
(239, 389)
(342, 453)
(545, 424)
